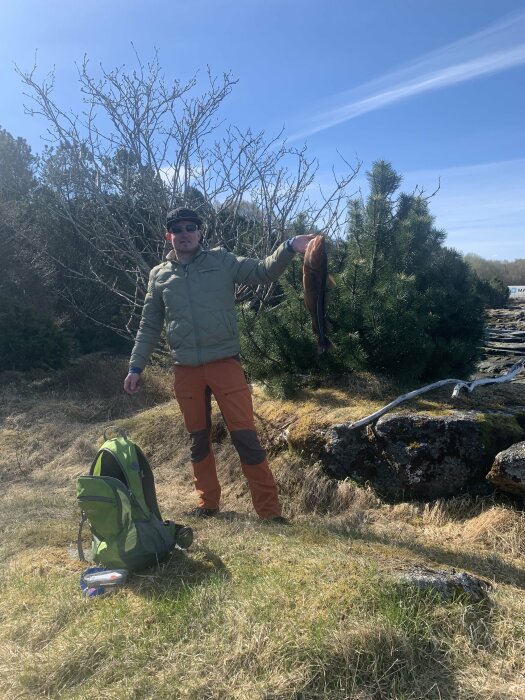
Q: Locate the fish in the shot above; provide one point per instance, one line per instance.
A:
(315, 280)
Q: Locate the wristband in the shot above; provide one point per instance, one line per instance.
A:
(135, 370)
(289, 244)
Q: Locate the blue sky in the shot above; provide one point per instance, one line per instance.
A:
(436, 88)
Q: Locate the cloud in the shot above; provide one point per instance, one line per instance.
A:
(481, 207)
(496, 48)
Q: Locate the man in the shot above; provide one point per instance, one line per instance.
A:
(193, 291)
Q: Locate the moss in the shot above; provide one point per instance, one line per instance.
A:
(159, 432)
(307, 437)
(499, 431)
(520, 418)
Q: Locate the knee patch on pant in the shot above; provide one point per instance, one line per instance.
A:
(248, 446)
(200, 445)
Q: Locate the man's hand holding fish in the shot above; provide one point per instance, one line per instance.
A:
(300, 243)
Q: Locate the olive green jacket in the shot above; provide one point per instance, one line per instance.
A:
(196, 300)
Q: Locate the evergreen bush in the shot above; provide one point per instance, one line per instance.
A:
(279, 347)
(29, 340)
(494, 292)
(403, 304)
(416, 306)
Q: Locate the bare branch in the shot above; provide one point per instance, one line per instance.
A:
(142, 144)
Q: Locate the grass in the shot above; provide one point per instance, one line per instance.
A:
(313, 610)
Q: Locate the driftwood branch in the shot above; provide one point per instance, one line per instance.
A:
(460, 385)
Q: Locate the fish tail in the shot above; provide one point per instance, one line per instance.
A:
(324, 345)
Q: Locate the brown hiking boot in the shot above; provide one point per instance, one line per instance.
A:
(278, 520)
(200, 512)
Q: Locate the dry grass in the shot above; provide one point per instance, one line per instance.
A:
(364, 393)
(500, 529)
(252, 611)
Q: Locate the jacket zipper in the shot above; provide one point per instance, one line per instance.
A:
(186, 277)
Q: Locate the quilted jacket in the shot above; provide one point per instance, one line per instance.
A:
(196, 300)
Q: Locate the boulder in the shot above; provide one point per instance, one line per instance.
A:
(448, 583)
(508, 470)
(421, 456)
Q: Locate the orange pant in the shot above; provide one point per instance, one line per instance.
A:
(226, 381)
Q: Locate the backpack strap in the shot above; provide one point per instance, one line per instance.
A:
(124, 451)
(148, 483)
(80, 549)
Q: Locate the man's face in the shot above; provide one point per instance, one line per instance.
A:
(183, 240)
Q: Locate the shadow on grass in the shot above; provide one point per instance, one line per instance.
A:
(402, 648)
(180, 572)
(490, 566)
(380, 671)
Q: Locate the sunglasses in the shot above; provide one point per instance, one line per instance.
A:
(189, 228)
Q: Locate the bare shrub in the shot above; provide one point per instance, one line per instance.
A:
(144, 144)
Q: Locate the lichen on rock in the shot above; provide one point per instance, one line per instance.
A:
(421, 456)
(508, 470)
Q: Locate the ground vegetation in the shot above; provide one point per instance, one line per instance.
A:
(306, 611)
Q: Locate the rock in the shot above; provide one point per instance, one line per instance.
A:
(495, 367)
(350, 453)
(508, 470)
(504, 343)
(421, 456)
(450, 584)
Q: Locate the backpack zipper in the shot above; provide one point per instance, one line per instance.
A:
(103, 499)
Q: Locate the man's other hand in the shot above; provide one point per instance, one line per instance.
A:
(132, 383)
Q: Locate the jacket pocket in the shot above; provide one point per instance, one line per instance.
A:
(210, 279)
(230, 321)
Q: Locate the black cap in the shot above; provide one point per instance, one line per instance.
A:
(182, 214)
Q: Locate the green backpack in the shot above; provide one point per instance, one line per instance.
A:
(119, 501)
